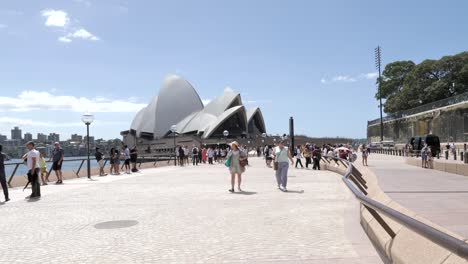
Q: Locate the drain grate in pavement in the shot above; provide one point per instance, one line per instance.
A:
(116, 224)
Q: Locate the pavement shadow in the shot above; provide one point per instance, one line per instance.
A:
(33, 200)
(294, 191)
(245, 193)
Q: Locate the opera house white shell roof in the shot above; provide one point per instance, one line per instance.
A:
(179, 104)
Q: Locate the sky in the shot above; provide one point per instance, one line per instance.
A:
(313, 60)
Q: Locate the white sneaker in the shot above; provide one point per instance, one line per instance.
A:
(284, 189)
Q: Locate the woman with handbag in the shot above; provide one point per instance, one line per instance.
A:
(281, 165)
(236, 161)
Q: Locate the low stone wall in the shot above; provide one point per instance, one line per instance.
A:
(407, 246)
(442, 165)
(21, 180)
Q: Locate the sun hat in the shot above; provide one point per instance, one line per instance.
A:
(234, 143)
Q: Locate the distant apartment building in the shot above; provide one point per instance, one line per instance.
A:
(53, 137)
(76, 138)
(91, 139)
(16, 134)
(3, 138)
(41, 137)
(28, 137)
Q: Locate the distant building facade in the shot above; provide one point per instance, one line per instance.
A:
(28, 137)
(16, 134)
(53, 137)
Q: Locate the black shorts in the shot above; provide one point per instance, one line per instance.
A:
(56, 166)
(127, 162)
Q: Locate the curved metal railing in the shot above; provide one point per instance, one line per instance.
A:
(358, 186)
(140, 160)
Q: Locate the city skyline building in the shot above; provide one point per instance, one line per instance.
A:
(16, 133)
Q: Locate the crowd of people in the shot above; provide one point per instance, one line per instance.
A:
(205, 155)
(37, 165)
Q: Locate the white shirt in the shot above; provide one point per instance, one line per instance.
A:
(281, 154)
(210, 153)
(298, 153)
(32, 154)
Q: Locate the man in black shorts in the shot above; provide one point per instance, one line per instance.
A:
(57, 158)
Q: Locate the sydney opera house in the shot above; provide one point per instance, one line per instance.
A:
(179, 105)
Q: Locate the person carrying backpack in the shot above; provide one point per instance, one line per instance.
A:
(195, 156)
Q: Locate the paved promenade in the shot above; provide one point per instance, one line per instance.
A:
(438, 196)
(186, 215)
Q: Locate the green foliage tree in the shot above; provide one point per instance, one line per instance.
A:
(405, 85)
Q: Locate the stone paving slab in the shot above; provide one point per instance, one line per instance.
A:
(186, 215)
(435, 195)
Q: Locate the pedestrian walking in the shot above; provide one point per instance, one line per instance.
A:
(3, 181)
(126, 154)
(116, 156)
(281, 156)
(134, 158)
(236, 162)
(204, 155)
(181, 156)
(299, 157)
(32, 159)
(316, 156)
(269, 155)
(194, 155)
(210, 154)
(186, 155)
(364, 155)
(308, 155)
(424, 156)
(100, 160)
(43, 168)
(111, 161)
(57, 159)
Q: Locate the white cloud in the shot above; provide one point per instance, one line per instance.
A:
(34, 100)
(343, 78)
(349, 78)
(55, 18)
(206, 101)
(11, 121)
(371, 75)
(78, 34)
(228, 90)
(2, 26)
(60, 18)
(82, 34)
(64, 39)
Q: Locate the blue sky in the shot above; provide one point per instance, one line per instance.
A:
(309, 59)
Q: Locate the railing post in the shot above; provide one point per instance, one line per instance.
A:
(13, 174)
(78, 172)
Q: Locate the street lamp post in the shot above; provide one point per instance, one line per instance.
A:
(88, 118)
(174, 130)
(225, 134)
(378, 61)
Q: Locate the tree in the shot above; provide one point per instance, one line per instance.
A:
(392, 84)
(405, 85)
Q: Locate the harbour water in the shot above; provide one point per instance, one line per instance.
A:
(72, 165)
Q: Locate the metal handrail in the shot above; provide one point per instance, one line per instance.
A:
(141, 159)
(442, 239)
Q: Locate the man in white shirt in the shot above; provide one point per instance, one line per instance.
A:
(33, 170)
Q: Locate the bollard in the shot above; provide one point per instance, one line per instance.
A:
(461, 155)
(446, 154)
(455, 155)
(466, 157)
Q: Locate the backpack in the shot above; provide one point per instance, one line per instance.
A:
(194, 151)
